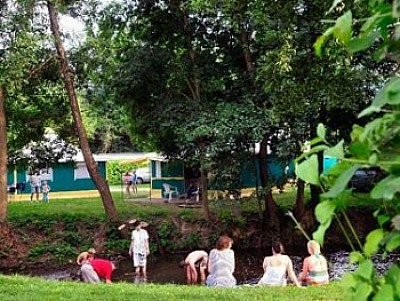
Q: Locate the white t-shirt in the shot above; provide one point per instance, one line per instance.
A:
(139, 239)
(35, 180)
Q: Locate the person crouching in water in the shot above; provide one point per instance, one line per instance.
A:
(97, 270)
(315, 267)
(139, 249)
(194, 259)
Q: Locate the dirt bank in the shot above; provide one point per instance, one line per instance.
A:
(47, 244)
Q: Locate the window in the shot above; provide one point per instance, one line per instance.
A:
(81, 172)
(158, 169)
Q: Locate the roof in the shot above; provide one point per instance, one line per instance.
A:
(116, 156)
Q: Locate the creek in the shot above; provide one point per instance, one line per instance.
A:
(165, 269)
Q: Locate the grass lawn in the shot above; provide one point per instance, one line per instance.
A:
(83, 209)
(91, 208)
(25, 288)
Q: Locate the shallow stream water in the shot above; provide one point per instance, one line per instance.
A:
(165, 269)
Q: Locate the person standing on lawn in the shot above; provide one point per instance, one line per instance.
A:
(34, 181)
(45, 192)
(134, 181)
(127, 180)
(139, 248)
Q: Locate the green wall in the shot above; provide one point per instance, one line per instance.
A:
(63, 178)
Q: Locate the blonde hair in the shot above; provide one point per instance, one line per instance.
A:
(314, 246)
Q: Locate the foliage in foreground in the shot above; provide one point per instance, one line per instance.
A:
(25, 288)
(376, 145)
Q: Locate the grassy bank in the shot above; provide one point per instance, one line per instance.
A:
(24, 289)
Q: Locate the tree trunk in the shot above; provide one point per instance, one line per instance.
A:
(99, 182)
(271, 209)
(316, 190)
(3, 157)
(299, 206)
(204, 194)
(194, 86)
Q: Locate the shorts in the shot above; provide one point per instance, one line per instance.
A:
(89, 274)
(34, 189)
(139, 260)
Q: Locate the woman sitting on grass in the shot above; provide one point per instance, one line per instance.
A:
(277, 267)
(315, 267)
(221, 264)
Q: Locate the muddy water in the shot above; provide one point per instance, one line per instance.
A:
(248, 268)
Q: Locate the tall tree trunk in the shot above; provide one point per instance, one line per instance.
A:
(99, 182)
(299, 206)
(3, 157)
(316, 190)
(194, 86)
(271, 209)
(204, 194)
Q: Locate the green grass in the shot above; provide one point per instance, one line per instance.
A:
(84, 209)
(91, 209)
(25, 288)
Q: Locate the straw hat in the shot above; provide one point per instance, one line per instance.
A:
(144, 224)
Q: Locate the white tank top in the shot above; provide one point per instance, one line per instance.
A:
(274, 276)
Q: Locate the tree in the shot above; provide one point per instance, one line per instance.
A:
(24, 86)
(3, 157)
(374, 145)
(203, 80)
(304, 89)
(100, 183)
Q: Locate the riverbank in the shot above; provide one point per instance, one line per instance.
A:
(52, 234)
(21, 288)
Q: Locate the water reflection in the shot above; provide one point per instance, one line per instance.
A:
(165, 269)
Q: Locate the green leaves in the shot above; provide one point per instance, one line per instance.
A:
(374, 145)
(341, 31)
(387, 188)
(385, 293)
(337, 151)
(343, 27)
(363, 42)
(393, 242)
(321, 131)
(324, 213)
(362, 292)
(341, 182)
(374, 238)
(389, 94)
(308, 170)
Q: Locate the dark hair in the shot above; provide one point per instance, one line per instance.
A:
(223, 242)
(136, 223)
(277, 246)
